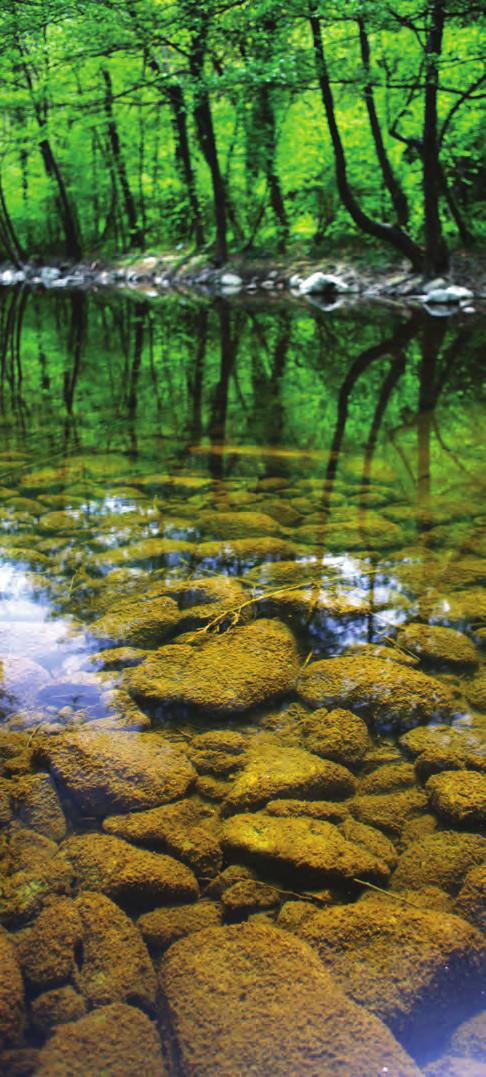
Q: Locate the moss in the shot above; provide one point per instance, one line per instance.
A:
(253, 999)
(178, 829)
(388, 692)
(131, 877)
(389, 811)
(162, 927)
(416, 969)
(439, 645)
(459, 797)
(471, 899)
(115, 1039)
(47, 949)
(55, 1007)
(115, 965)
(440, 859)
(273, 772)
(11, 992)
(108, 772)
(238, 525)
(304, 848)
(228, 673)
(389, 777)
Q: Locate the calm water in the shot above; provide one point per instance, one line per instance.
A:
(333, 456)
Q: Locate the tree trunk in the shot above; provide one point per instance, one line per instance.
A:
(184, 160)
(397, 194)
(276, 196)
(390, 234)
(207, 141)
(135, 233)
(436, 253)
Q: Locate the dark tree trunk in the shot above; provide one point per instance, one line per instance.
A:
(397, 194)
(8, 235)
(207, 141)
(68, 217)
(184, 160)
(274, 187)
(135, 232)
(390, 234)
(436, 253)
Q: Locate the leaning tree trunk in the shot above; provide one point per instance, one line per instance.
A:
(135, 232)
(387, 233)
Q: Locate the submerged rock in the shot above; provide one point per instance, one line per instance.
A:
(388, 692)
(274, 772)
(161, 927)
(130, 876)
(177, 829)
(47, 949)
(118, 771)
(436, 644)
(56, 1007)
(33, 870)
(389, 811)
(471, 899)
(115, 1040)
(143, 622)
(227, 673)
(11, 992)
(253, 999)
(301, 846)
(441, 859)
(115, 963)
(459, 797)
(418, 970)
(239, 525)
(338, 735)
(38, 806)
(20, 681)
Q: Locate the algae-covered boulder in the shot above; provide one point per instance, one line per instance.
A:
(301, 847)
(238, 525)
(33, 870)
(252, 999)
(416, 969)
(116, 1040)
(459, 797)
(47, 948)
(386, 691)
(337, 734)
(161, 927)
(228, 673)
(132, 877)
(142, 622)
(329, 810)
(475, 691)
(273, 772)
(56, 1007)
(118, 771)
(244, 552)
(38, 805)
(178, 829)
(11, 992)
(440, 859)
(115, 963)
(471, 899)
(389, 811)
(439, 645)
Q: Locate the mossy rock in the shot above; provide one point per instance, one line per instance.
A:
(177, 829)
(417, 970)
(134, 878)
(47, 949)
(388, 692)
(438, 645)
(115, 1039)
(230, 672)
(389, 811)
(459, 797)
(56, 1007)
(441, 859)
(471, 899)
(11, 992)
(115, 964)
(254, 999)
(475, 691)
(142, 622)
(338, 734)
(273, 772)
(103, 773)
(162, 927)
(301, 848)
(238, 525)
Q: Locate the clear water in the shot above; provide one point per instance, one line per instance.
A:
(135, 431)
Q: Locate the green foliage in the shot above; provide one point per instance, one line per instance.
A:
(118, 175)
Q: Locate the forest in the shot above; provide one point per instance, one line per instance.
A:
(246, 127)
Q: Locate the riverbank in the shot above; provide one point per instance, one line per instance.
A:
(328, 282)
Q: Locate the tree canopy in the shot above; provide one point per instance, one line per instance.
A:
(241, 126)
